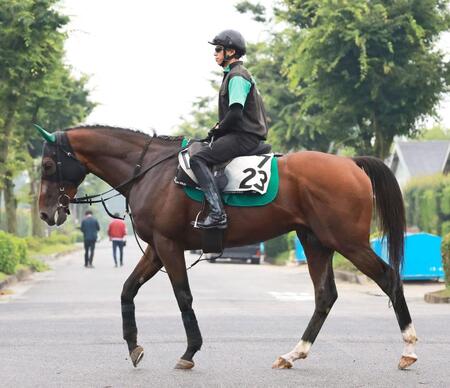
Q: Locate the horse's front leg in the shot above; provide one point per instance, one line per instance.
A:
(172, 256)
(147, 267)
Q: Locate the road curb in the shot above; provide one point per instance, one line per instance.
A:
(351, 277)
(434, 297)
(20, 275)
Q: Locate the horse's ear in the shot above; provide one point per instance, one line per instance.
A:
(50, 137)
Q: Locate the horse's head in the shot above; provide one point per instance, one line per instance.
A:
(61, 174)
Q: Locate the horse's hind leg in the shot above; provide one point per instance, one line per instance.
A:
(321, 272)
(172, 256)
(366, 260)
(147, 267)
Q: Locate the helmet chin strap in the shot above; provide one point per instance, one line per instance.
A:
(226, 58)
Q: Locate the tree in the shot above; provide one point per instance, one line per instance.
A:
(290, 129)
(366, 69)
(203, 116)
(437, 132)
(59, 102)
(35, 86)
(31, 44)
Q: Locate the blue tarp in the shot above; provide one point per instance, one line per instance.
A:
(423, 259)
(300, 256)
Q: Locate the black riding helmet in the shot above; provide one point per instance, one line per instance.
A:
(231, 39)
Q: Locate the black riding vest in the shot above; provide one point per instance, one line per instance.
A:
(254, 115)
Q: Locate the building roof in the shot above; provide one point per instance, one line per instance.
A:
(424, 157)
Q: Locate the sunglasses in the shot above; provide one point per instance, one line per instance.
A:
(218, 49)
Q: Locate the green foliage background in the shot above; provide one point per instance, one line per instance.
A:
(428, 203)
(446, 258)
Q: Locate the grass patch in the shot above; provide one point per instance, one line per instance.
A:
(37, 265)
(3, 276)
(340, 262)
(444, 293)
(55, 248)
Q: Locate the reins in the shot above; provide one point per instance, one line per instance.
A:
(89, 199)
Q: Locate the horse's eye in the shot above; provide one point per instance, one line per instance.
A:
(48, 167)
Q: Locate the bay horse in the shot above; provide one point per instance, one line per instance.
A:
(326, 199)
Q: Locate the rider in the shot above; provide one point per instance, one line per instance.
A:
(242, 123)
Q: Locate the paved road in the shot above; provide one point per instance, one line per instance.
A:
(63, 329)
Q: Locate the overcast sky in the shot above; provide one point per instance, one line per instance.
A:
(149, 60)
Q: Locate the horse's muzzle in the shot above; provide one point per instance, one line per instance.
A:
(50, 220)
(62, 215)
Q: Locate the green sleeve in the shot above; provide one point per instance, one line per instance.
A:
(238, 89)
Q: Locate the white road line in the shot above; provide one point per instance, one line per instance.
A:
(291, 296)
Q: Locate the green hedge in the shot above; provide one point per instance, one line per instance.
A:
(13, 251)
(428, 204)
(446, 258)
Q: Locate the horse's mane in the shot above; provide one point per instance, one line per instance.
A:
(119, 129)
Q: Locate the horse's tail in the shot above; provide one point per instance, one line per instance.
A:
(390, 208)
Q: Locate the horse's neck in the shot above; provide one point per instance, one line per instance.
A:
(112, 155)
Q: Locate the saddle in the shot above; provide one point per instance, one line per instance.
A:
(249, 174)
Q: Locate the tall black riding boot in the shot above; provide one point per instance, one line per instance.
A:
(216, 219)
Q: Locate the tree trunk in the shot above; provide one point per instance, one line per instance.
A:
(1, 208)
(382, 145)
(383, 142)
(10, 204)
(5, 137)
(8, 189)
(36, 223)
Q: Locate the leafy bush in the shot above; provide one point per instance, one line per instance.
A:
(428, 211)
(427, 202)
(341, 263)
(445, 228)
(56, 238)
(277, 249)
(21, 250)
(445, 201)
(37, 265)
(291, 236)
(446, 258)
(34, 244)
(13, 251)
(276, 246)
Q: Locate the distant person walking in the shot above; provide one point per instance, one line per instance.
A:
(90, 228)
(117, 231)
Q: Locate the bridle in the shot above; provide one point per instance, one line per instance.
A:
(76, 174)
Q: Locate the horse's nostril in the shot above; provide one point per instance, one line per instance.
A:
(44, 216)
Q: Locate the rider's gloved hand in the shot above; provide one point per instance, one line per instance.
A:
(212, 133)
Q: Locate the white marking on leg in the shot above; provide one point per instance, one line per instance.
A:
(301, 350)
(410, 339)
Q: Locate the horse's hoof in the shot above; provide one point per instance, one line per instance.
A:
(136, 355)
(184, 364)
(406, 361)
(281, 363)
